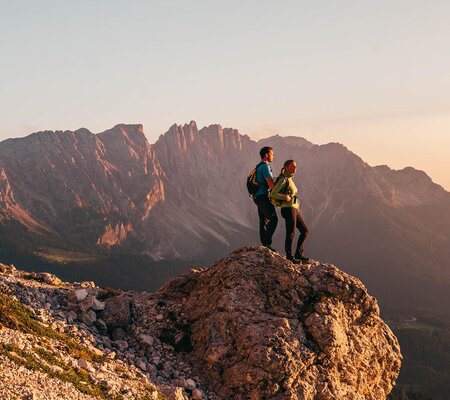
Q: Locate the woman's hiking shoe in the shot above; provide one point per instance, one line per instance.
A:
(293, 260)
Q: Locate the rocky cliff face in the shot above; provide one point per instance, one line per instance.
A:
(252, 326)
(87, 189)
(107, 190)
(205, 205)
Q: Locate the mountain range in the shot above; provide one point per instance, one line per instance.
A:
(93, 204)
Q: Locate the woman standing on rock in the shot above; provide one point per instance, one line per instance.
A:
(286, 192)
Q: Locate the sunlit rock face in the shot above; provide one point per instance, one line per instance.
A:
(263, 328)
(85, 188)
(114, 188)
(206, 205)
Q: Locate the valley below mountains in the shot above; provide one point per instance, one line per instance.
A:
(116, 209)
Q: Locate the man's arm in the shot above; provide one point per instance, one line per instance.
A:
(270, 183)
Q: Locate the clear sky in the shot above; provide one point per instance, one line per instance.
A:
(374, 76)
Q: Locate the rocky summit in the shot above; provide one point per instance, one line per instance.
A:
(251, 326)
(264, 328)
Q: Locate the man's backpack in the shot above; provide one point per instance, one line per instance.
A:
(252, 184)
(284, 190)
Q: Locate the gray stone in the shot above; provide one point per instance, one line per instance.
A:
(87, 318)
(101, 326)
(167, 365)
(92, 315)
(116, 313)
(77, 295)
(98, 305)
(183, 383)
(191, 384)
(141, 365)
(145, 339)
(71, 316)
(118, 334)
(85, 365)
(120, 344)
(156, 360)
(87, 303)
(49, 278)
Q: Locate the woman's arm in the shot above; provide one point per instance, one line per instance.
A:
(275, 193)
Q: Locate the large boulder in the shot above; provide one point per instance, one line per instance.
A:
(116, 312)
(264, 328)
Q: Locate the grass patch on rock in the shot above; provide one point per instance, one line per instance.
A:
(16, 316)
(79, 378)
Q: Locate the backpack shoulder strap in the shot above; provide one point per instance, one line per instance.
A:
(258, 165)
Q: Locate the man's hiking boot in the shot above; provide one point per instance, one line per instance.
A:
(268, 246)
(292, 259)
(301, 257)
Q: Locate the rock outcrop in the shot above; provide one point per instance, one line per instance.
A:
(263, 328)
(252, 326)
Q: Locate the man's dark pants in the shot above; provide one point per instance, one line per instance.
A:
(267, 219)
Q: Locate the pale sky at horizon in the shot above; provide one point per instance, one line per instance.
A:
(372, 76)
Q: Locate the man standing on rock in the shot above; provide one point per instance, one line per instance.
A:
(266, 211)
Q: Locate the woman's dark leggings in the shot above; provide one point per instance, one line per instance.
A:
(294, 218)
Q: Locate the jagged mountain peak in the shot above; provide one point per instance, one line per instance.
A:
(128, 135)
(295, 141)
(125, 129)
(217, 129)
(212, 137)
(180, 136)
(82, 131)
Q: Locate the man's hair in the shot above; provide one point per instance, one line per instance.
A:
(264, 151)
